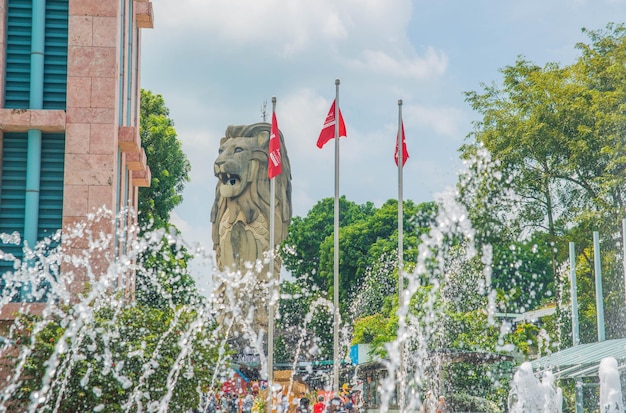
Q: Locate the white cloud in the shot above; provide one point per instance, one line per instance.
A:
(333, 27)
(447, 121)
(432, 64)
(216, 60)
(292, 25)
(288, 27)
(301, 115)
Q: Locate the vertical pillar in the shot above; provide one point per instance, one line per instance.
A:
(579, 396)
(624, 254)
(574, 294)
(575, 325)
(336, 361)
(599, 295)
(33, 160)
(401, 308)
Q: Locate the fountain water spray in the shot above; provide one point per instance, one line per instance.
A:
(611, 400)
(98, 342)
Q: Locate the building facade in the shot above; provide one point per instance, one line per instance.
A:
(69, 117)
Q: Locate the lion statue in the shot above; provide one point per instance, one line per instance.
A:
(240, 213)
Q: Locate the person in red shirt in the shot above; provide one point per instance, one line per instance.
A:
(319, 406)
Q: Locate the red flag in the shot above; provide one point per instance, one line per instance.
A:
(328, 131)
(274, 164)
(405, 153)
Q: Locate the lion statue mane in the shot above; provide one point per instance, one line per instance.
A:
(240, 212)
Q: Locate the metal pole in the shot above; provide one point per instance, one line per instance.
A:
(272, 287)
(624, 254)
(599, 295)
(579, 396)
(574, 293)
(336, 252)
(401, 373)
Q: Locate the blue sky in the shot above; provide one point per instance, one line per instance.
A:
(216, 61)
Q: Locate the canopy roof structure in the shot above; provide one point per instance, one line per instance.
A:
(583, 360)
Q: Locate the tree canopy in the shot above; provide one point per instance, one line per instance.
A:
(167, 161)
(546, 166)
(366, 233)
(554, 136)
(162, 279)
(368, 242)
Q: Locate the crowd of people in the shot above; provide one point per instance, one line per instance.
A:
(226, 403)
(248, 402)
(433, 405)
(344, 402)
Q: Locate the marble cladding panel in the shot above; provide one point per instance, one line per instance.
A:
(144, 14)
(87, 169)
(75, 200)
(92, 61)
(142, 178)
(79, 91)
(104, 8)
(91, 115)
(104, 115)
(48, 120)
(77, 137)
(105, 32)
(128, 139)
(14, 117)
(79, 115)
(20, 120)
(136, 161)
(80, 31)
(103, 92)
(101, 196)
(102, 139)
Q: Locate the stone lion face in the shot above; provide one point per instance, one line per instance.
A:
(233, 166)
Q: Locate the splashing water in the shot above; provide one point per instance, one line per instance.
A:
(80, 342)
(610, 386)
(528, 394)
(90, 345)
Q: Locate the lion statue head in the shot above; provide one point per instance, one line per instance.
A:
(240, 213)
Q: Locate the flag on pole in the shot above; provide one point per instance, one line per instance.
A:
(274, 165)
(405, 154)
(328, 130)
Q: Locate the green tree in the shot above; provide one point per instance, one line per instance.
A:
(162, 277)
(168, 164)
(368, 241)
(556, 154)
(302, 249)
(522, 128)
(305, 325)
(121, 359)
(365, 234)
(363, 242)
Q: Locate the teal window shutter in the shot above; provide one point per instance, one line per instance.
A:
(13, 189)
(15, 145)
(12, 193)
(51, 185)
(55, 59)
(17, 79)
(17, 70)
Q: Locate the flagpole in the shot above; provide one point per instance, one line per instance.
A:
(272, 286)
(336, 245)
(400, 145)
